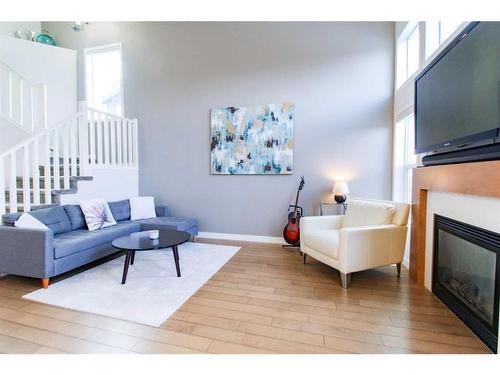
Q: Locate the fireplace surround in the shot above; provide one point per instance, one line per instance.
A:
(466, 275)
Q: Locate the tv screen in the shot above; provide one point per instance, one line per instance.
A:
(457, 97)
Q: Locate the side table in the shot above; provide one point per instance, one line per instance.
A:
(342, 206)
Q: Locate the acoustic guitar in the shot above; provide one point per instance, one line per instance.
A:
(291, 233)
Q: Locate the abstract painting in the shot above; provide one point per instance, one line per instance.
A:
(254, 140)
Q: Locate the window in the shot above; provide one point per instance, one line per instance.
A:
(436, 32)
(408, 55)
(404, 158)
(104, 78)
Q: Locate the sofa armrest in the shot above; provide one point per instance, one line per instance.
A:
(321, 222)
(27, 252)
(362, 248)
(162, 211)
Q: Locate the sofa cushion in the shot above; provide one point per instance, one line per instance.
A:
(10, 219)
(80, 240)
(366, 213)
(325, 241)
(120, 209)
(75, 215)
(170, 222)
(54, 218)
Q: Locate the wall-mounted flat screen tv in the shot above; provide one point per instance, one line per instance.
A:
(457, 97)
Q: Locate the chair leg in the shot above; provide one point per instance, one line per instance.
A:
(45, 283)
(398, 268)
(305, 255)
(346, 279)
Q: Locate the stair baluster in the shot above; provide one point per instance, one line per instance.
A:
(2, 184)
(30, 171)
(65, 158)
(22, 94)
(36, 173)
(46, 170)
(26, 179)
(13, 183)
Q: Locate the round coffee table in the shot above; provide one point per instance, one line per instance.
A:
(140, 242)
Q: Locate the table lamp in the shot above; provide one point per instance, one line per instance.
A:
(340, 189)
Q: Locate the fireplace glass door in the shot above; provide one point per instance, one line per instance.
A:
(465, 274)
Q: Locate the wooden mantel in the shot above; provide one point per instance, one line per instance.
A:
(482, 179)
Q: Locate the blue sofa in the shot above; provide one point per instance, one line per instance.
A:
(69, 244)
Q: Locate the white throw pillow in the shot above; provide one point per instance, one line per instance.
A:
(28, 221)
(142, 208)
(365, 213)
(97, 214)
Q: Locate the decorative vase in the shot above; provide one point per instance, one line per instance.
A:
(340, 198)
(44, 38)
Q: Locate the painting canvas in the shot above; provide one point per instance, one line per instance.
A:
(254, 140)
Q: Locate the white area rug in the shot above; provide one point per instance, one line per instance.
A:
(152, 293)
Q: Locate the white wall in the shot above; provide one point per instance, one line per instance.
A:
(109, 183)
(483, 212)
(10, 28)
(54, 66)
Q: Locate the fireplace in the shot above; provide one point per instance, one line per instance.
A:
(466, 275)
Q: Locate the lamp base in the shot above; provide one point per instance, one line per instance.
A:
(340, 198)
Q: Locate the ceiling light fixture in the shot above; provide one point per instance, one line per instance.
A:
(78, 26)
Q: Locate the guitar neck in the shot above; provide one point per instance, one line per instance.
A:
(296, 202)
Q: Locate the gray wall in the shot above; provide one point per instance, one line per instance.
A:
(339, 75)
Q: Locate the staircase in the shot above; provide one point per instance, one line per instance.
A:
(41, 183)
(38, 170)
(23, 103)
(53, 158)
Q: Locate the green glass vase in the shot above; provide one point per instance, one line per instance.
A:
(45, 39)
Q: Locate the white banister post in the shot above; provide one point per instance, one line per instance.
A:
(13, 183)
(36, 172)
(21, 104)
(32, 109)
(26, 179)
(46, 170)
(83, 138)
(11, 105)
(42, 106)
(136, 142)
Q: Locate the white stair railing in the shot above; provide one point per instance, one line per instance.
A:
(22, 102)
(115, 139)
(45, 162)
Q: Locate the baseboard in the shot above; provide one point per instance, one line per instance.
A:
(241, 237)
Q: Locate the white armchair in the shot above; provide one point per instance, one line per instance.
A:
(371, 234)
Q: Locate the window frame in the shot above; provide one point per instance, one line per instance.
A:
(100, 49)
(410, 30)
(409, 159)
(441, 37)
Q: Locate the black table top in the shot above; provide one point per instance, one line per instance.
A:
(140, 241)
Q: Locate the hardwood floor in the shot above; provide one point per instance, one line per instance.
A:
(264, 300)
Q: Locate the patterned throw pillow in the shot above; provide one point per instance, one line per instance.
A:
(97, 214)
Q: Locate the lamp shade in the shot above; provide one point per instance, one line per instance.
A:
(340, 188)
